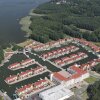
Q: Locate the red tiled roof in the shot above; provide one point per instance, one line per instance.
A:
(39, 82)
(75, 76)
(14, 64)
(57, 60)
(11, 77)
(24, 88)
(78, 70)
(59, 76)
(26, 60)
(23, 73)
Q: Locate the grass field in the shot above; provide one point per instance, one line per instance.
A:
(84, 96)
(90, 80)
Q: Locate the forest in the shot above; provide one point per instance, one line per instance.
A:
(97, 68)
(93, 91)
(1, 54)
(75, 18)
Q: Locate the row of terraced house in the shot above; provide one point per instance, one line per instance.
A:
(68, 60)
(29, 89)
(59, 52)
(24, 75)
(23, 64)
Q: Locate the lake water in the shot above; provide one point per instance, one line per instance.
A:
(11, 11)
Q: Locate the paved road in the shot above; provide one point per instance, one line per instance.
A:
(5, 96)
(43, 62)
(88, 49)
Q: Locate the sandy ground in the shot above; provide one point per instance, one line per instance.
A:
(25, 22)
(25, 43)
(34, 14)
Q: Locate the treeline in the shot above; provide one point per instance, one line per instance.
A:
(1, 54)
(93, 91)
(83, 22)
(2, 47)
(16, 47)
(44, 30)
(45, 38)
(8, 45)
(97, 68)
(69, 18)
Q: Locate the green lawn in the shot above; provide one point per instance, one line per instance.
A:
(1, 98)
(90, 80)
(85, 96)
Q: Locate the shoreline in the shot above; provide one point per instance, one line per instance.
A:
(25, 22)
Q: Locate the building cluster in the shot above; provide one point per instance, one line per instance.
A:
(29, 89)
(58, 87)
(39, 46)
(23, 64)
(72, 76)
(58, 2)
(90, 64)
(56, 93)
(32, 44)
(71, 59)
(42, 47)
(90, 44)
(65, 80)
(24, 75)
(59, 52)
